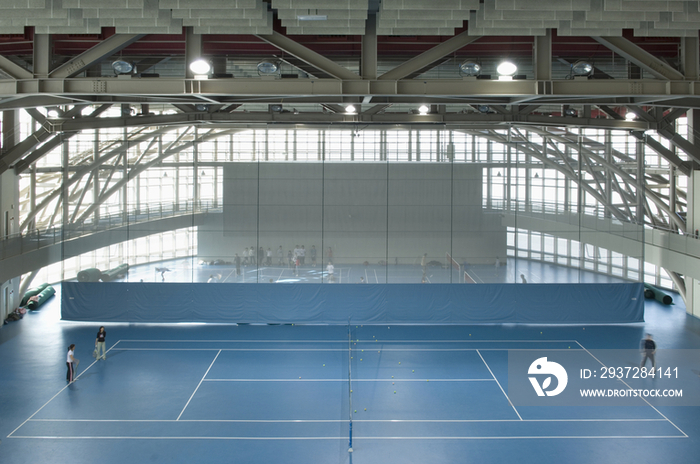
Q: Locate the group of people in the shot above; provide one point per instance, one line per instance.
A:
(72, 362)
(294, 259)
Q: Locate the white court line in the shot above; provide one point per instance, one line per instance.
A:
(280, 276)
(523, 437)
(326, 350)
(499, 384)
(275, 421)
(345, 380)
(626, 384)
(200, 383)
(375, 276)
(229, 275)
(366, 276)
(344, 341)
(59, 392)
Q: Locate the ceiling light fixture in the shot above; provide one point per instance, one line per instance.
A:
(350, 109)
(200, 67)
(122, 67)
(506, 70)
(267, 68)
(423, 110)
(582, 68)
(630, 116)
(470, 68)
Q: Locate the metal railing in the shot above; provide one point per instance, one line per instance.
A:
(17, 244)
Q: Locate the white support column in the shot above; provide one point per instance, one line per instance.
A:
(692, 286)
(9, 207)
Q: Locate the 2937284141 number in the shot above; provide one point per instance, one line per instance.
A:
(638, 373)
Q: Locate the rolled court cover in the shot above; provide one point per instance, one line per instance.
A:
(334, 304)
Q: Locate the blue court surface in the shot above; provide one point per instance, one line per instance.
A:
(289, 393)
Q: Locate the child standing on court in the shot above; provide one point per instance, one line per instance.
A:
(100, 343)
(70, 362)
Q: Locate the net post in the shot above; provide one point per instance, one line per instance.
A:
(350, 385)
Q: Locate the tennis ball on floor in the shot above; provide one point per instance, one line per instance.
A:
(299, 377)
(399, 362)
(365, 409)
(324, 365)
(372, 336)
(392, 376)
(360, 359)
(378, 351)
(413, 371)
(540, 332)
(394, 392)
(363, 350)
(392, 383)
(355, 410)
(427, 380)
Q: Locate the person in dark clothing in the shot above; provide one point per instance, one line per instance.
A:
(71, 362)
(100, 343)
(648, 349)
(237, 260)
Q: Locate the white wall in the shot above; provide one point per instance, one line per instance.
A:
(365, 212)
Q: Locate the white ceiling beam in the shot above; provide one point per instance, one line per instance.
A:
(13, 70)
(309, 56)
(543, 56)
(368, 64)
(94, 55)
(617, 92)
(429, 57)
(640, 57)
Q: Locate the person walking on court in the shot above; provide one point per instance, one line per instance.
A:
(237, 261)
(71, 362)
(523, 279)
(251, 253)
(269, 257)
(648, 349)
(100, 343)
(280, 256)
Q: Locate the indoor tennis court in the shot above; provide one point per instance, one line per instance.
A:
(301, 393)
